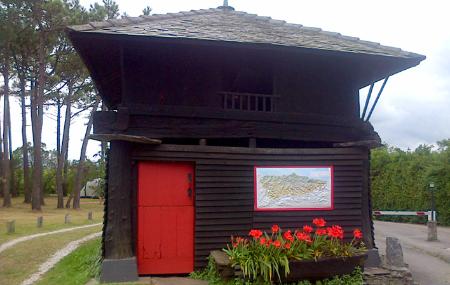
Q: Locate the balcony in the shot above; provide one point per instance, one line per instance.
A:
(248, 102)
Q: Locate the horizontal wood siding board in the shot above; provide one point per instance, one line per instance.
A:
(205, 174)
(272, 217)
(171, 127)
(223, 209)
(224, 188)
(218, 203)
(240, 150)
(268, 157)
(223, 197)
(249, 179)
(231, 215)
(214, 113)
(251, 162)
(221, 233)
(208, 222)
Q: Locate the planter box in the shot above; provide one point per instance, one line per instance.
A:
(323, 268)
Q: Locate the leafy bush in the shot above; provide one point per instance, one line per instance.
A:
(400, 179)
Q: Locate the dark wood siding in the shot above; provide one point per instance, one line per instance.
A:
(177, 122)
(224, 189)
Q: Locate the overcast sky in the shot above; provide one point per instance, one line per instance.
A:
(415, 105)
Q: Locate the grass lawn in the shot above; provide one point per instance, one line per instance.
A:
(22, 260)
(76, 268)
(53, 218)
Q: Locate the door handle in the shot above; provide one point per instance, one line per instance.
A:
(189, 192)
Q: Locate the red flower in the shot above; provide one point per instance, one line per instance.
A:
(255, 233)
(275, 228)
(288, 236)
(262, 241)
(303, 236)
(319, 222)
(336, 232)
(277, 243)
(321, 232)
(307, 229)
(269, 242)
(287, 245)
(237, 240)
(357, 234)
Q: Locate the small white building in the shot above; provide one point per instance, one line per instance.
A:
(92, 188)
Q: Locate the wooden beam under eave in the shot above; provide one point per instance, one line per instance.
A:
(122, 137)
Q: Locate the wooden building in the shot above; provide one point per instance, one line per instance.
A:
(196, 100)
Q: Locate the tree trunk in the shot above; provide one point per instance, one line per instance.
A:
(79, 175)
(66, 173)
(36, 122)
(62, 154)
(12, 166)
(1, 159)
(6, 177)
(59, 165)
(26, 168)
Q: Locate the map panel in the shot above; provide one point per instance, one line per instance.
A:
(294, 188)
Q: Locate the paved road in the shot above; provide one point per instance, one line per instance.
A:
(429, 262)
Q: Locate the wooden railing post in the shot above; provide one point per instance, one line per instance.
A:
(67, 219)
(11, 227)
(39, 221)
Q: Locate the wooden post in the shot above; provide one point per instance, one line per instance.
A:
(39, 221)
(90, 216)
(11, 227)
(118, 242)
(67, 219)
(202, 142)
(367, 223)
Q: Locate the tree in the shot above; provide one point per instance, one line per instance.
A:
(48, 20)
(79, 177)
(400, 179)
(22, 49)
(70, 79)
(147, 10)
(7, 34)
(109, 10)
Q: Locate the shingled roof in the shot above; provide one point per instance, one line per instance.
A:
(226, 25)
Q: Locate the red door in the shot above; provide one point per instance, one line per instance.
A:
(165, 218)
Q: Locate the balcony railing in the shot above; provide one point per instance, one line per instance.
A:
(249, 101)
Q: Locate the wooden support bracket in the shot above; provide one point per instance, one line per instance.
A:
(365, 143)
(122, 137)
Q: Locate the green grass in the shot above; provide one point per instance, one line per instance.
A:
(53, 218)
(22, 260)
(76, 268)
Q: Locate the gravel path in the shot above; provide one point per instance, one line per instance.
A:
(60, 254)
(13, 242)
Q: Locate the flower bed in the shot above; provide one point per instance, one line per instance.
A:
(284, 254)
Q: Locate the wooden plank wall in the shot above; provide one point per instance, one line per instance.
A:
(224, 189)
